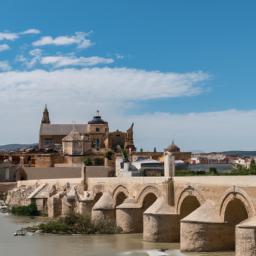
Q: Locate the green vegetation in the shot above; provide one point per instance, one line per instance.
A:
(213, 171)
(77, 224)
(88, 161)
(124, 154)
(98, 161)
(29, 210)
(109, 154)
(191, 173)
(3, 196)
(238, 170)
(241, 170)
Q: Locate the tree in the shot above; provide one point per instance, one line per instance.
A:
(98, 161)
(124, 155)
(213, 170)
(109, 155)
(252, 167)
(88, 161)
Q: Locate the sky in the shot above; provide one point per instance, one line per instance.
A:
(180, 70)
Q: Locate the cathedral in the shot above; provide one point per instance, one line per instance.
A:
(79, 139)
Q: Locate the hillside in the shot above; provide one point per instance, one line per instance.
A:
(14, 147)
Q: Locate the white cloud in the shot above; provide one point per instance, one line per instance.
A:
(5, 66)
(31, 31)
(79, 38)
(11, 36)
(61, 61)
(75, 94)
(65, 61)
(8, 36)
(32, 61)
(118, 84)
(4, 47)
(35, 52)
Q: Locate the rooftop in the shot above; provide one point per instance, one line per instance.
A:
(97, 119)
(61, 129)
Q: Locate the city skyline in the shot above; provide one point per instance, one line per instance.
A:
(179, 70)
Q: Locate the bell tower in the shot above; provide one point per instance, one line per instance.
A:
(45, 118)
(129, 143)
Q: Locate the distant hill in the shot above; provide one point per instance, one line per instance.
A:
(240, 153)
(14, 147)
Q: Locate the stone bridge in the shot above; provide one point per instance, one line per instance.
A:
(213, 213)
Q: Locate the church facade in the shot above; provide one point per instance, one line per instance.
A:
(78, 139)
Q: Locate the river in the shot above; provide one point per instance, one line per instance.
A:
(79, 245)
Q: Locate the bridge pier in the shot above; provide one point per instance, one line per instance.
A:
(104, 209)
(204, 230)
(160, 223)
(67, 207)
(246, 238)
(100, 215)
(54, 206)
(128, 217)
(85, 207)
(205, 236)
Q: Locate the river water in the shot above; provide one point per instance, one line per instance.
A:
(79, 245)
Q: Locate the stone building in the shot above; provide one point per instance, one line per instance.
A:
(121, 139)
(79, 138)
(178, 154)
(76, 144)
(8, 171)
(172, 148)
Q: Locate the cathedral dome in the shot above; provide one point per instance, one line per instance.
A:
(173, 148)
(97, 119)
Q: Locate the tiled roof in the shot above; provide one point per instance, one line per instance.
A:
(61, 129)
(74, 135)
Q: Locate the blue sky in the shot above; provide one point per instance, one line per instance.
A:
(183, 59)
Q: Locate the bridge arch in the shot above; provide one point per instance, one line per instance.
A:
(188, 200)
(97, 197)
(148, 193)
(235, 197)
(235, 207)
(120, 193)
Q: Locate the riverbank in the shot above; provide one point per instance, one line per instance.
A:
(75, 224)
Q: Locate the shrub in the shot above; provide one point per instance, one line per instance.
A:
(98, 161)
(78, 224)
(88, 161)
(109, 155)
(55, 227)
(29, 210)
(213, 170)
